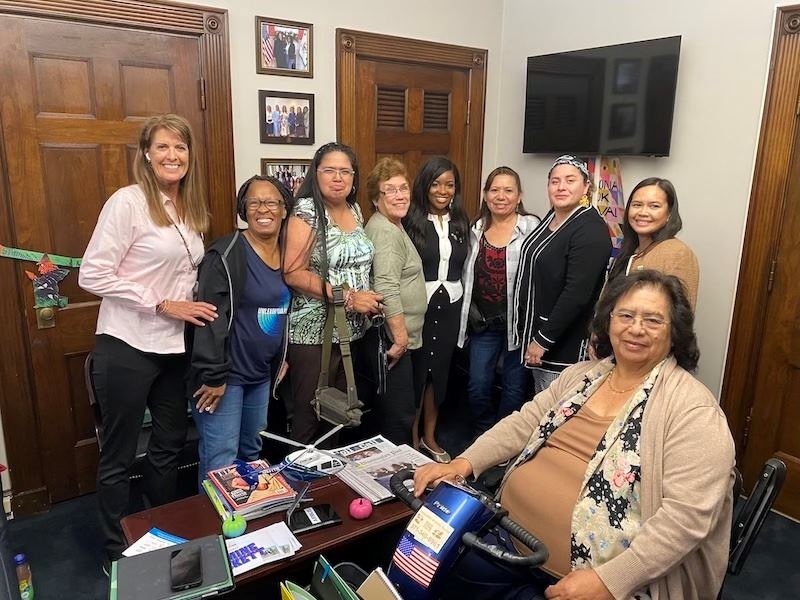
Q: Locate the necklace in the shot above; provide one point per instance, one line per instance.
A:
(626, 390)
(185, 245)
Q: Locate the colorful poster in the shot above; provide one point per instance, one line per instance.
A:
(608, 198)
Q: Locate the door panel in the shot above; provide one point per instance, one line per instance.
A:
(776, 407)
(75, 100)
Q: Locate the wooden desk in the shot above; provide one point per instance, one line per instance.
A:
(194, 517)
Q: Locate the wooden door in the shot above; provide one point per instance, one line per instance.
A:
(761, 388)
(775, 418)
(412, 100)
(73, 99)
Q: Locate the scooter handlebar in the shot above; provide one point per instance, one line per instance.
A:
(539, 555)
(399, 488)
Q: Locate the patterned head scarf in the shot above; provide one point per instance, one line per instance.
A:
(568, 159)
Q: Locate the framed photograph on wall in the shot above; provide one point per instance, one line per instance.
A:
(286, 117)
(623, 121)
(284, 47)
(626, 75)
(291, 172)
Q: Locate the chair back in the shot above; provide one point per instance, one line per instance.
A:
(750, 517)
(96, 413)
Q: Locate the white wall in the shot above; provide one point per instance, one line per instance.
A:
(474, 23)
(721, 82)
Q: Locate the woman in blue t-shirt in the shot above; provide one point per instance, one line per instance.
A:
(231, 358)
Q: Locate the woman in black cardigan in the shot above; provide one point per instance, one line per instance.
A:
(561, 272)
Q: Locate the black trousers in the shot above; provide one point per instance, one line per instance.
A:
(392, 414)
(127, 381)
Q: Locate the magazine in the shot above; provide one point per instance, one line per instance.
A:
(224, 509)
(371, 464)
(261, 547)
(271, 491)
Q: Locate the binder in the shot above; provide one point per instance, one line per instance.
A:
(147, 577)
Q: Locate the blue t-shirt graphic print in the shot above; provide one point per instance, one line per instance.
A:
(259, 322)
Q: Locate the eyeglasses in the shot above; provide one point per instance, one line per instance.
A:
(393, 192)
(649, 322)
(253, 204)
(331, 172)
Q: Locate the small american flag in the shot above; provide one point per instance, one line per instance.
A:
(414, 562)
(267, 53)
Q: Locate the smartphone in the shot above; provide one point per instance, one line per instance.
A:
(186, 568)
(313, 517)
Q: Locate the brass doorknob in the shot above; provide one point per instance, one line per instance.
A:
(47, 314)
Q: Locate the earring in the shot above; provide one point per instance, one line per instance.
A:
(585, 201)
(147, 157)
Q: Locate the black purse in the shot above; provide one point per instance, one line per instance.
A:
(475, 319)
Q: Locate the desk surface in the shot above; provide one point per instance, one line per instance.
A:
(194, 517)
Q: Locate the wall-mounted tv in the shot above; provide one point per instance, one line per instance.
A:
(614, 100)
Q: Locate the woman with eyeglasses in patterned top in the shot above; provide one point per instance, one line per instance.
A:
(325, 246)
(234, 359)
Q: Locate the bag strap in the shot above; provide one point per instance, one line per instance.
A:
(337, 313)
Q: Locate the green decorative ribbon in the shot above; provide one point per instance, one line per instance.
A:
(30, 255)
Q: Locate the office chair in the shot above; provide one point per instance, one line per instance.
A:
(188, 458)
(749, 517)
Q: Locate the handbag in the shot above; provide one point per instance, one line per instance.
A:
(475, 319)
(330, 403)
(379, 323)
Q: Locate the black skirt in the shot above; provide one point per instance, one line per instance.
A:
(439, 338)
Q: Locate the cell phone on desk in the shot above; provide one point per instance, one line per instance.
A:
(302, 520)
(186, 568)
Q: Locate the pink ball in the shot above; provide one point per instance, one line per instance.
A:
(360, 508)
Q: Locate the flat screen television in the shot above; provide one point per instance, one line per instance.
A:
(614, 100)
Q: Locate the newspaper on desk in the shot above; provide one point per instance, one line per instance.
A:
(371, 463)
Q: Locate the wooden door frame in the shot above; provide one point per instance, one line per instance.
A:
(352, 45)
(210, 26)
(763, 228)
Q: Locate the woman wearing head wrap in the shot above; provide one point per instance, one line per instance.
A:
(561, 270)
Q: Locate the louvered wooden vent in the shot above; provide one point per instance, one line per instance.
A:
(391, 107)
(437, 111)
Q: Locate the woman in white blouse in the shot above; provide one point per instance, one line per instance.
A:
(142, 261)
(438, 226)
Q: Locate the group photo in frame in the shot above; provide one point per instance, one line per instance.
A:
(284, 47)
(286, 117)
(291, 172)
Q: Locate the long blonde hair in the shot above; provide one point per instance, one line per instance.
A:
(192, 186)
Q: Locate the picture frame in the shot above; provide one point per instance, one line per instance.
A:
(289, 171)
(626, 75)
(279, 124)
(284, 47)
(622, 123)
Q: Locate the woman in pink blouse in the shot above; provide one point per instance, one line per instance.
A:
(142, 261)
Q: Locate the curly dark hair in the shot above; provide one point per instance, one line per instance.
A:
(684, 342)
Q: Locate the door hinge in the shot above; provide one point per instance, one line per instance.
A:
(202, 83)
(746, 432)
(771, 280)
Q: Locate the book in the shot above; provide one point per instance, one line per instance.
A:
(224, 510)
(271, 493)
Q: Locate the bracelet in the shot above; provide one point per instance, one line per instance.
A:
(162, 306)
(348, 299)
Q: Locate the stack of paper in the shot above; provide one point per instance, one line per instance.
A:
(260, 547)
(372, 463)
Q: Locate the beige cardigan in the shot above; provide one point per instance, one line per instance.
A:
(671, 257)
(687, 452)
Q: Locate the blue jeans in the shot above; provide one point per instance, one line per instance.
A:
(484, 351)
(231, 431)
